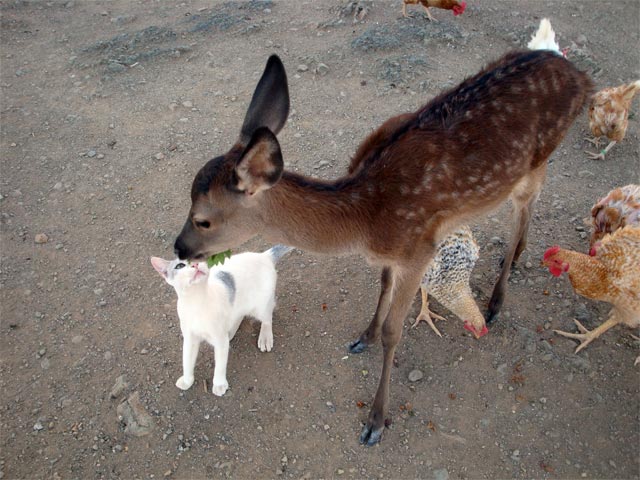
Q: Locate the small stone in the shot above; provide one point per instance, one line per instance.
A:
(415, 375)
(441, 474)
(58, 186)
(107, 355)
(302, 67)
(495, 240)
(159, 156)
(322, 69)
(45, 363)
(340, 471)
(91, 153)
(77, 339)
(38, 426)
(187, 104)
(41, 238)
(132, 413)
(119, 387)
(100, 156)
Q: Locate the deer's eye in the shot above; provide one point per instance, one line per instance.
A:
(203, 224)
(179, 266)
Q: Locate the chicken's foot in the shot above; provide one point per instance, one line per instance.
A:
(427, 315)
(600, 156)
(587, 336)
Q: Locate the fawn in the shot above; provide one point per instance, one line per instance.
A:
(411, 182)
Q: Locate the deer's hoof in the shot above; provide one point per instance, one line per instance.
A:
(370, 436)
(358, 346)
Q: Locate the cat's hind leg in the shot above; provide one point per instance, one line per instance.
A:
(190, 347)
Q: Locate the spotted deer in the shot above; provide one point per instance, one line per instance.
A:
(410, 183)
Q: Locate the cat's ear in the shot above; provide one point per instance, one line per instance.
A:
(160, 265)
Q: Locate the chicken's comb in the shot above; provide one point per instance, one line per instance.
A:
(551, 251)
(459, 10)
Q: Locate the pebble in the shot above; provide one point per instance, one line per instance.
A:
(45, 363)
(441, 474)
(119, 387)
(91, 153)
(322, 69)
(41, 238)
(302, 67)
(58, 186)
(100, 156)
(581, 313)
(415, 375)
(107, 355)
(187, 104)
(77, 339)
(159, 156)
(133, 414)
(38, 426)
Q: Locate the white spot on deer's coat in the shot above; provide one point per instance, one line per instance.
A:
(468, 114)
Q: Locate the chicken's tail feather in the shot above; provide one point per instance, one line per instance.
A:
(544, 38)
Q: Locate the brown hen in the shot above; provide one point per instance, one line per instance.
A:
(455, 5)
(609, 115)
(619, 208)
(612, 275)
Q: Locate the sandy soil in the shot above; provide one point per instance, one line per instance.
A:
(109, 109)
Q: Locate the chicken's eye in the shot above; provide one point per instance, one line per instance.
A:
(179, 266)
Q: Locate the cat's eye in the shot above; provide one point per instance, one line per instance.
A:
(203, 223)
(180, 265)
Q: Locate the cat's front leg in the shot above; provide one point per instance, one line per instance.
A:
(190, 346)
(221, 355)
(265, 339)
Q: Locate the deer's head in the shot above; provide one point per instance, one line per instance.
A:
(226, 192)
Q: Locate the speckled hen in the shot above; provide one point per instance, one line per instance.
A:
(447, 280)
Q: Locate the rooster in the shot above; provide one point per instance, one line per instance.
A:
(457, 6)
(545, 39)
(619, 208)
(611, 275)
(447, 280)
(609, 116)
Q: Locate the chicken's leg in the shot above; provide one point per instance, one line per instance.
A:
(404, 10)
(600, 156)
(426, 9)
(426, 314)
(587, 336)
(594, 140)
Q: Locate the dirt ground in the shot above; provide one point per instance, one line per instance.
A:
(110, 108)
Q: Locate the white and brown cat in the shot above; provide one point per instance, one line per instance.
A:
(213, 301)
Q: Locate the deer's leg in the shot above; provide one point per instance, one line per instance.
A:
(405, 286)
(524, 198)
(372, 333)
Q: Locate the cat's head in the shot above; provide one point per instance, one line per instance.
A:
(180, 273)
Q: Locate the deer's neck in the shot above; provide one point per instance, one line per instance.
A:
(314, 215)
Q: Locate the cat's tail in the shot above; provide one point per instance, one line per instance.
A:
(278, 251)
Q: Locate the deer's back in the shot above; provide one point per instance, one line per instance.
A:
(470, 146)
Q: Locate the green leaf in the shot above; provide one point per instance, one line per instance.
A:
(218, 258)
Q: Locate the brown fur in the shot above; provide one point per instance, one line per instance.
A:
(410, 183)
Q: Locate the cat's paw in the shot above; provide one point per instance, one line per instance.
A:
(220, 389)
(265, 340)
(184, 383)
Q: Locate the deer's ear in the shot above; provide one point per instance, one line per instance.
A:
(269, 105)
(260, 166)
